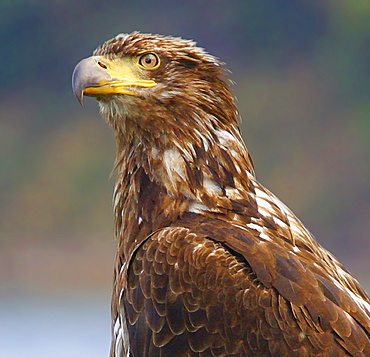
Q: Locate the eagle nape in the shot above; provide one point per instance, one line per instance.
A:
(209, 262)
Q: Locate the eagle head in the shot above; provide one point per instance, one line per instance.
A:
(153, 81)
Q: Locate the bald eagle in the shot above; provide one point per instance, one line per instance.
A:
(209, 262)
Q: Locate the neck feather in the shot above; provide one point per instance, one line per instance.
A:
(167, 170)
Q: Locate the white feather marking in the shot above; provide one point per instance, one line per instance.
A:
(154, 152)
(198, 247)
(175, 173)
(232, 144)
(174, 163)
(364, 304)
(139, 220)
(255, 227)
(295, 229)
(262, 203)
(211, 186)
(117, 195)
(234, 193)
(281, 205)
(280, 223)
(213, 253)
(122, 35)
(190, 153)
(168, 94)
(225, 137)
(119, 338)
(264, 211)
(196, 207)
(122, 267)
(238, 225)
(343, 273)
(296, 249)
(359, 301)
(117, 325)
(265, 236)
(204, 139)
(261, 231)
(261, 194)
(271, 198)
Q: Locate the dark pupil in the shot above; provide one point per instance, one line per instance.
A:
(148, 60)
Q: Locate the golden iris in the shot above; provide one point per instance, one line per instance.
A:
(149, 61)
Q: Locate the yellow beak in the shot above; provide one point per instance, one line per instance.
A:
(98, 75)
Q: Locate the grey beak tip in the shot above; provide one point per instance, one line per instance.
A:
(80, 98)
(87, 73)
(77, 84)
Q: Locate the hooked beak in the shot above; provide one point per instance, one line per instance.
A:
(99, 76)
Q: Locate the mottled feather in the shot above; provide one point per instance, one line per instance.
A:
(209, 262)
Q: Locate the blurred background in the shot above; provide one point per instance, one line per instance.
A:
(302, 73)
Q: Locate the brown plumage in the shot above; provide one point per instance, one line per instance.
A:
(209, 262)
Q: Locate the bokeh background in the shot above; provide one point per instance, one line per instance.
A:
(302, 70)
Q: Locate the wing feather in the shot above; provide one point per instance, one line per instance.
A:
(221, 291)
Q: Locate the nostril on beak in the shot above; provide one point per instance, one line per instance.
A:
(102, 65)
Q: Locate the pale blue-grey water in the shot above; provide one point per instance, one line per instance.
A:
(73, 326)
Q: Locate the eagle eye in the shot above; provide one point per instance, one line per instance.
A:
(149, 61)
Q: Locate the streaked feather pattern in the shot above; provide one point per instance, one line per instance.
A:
(209, 262)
